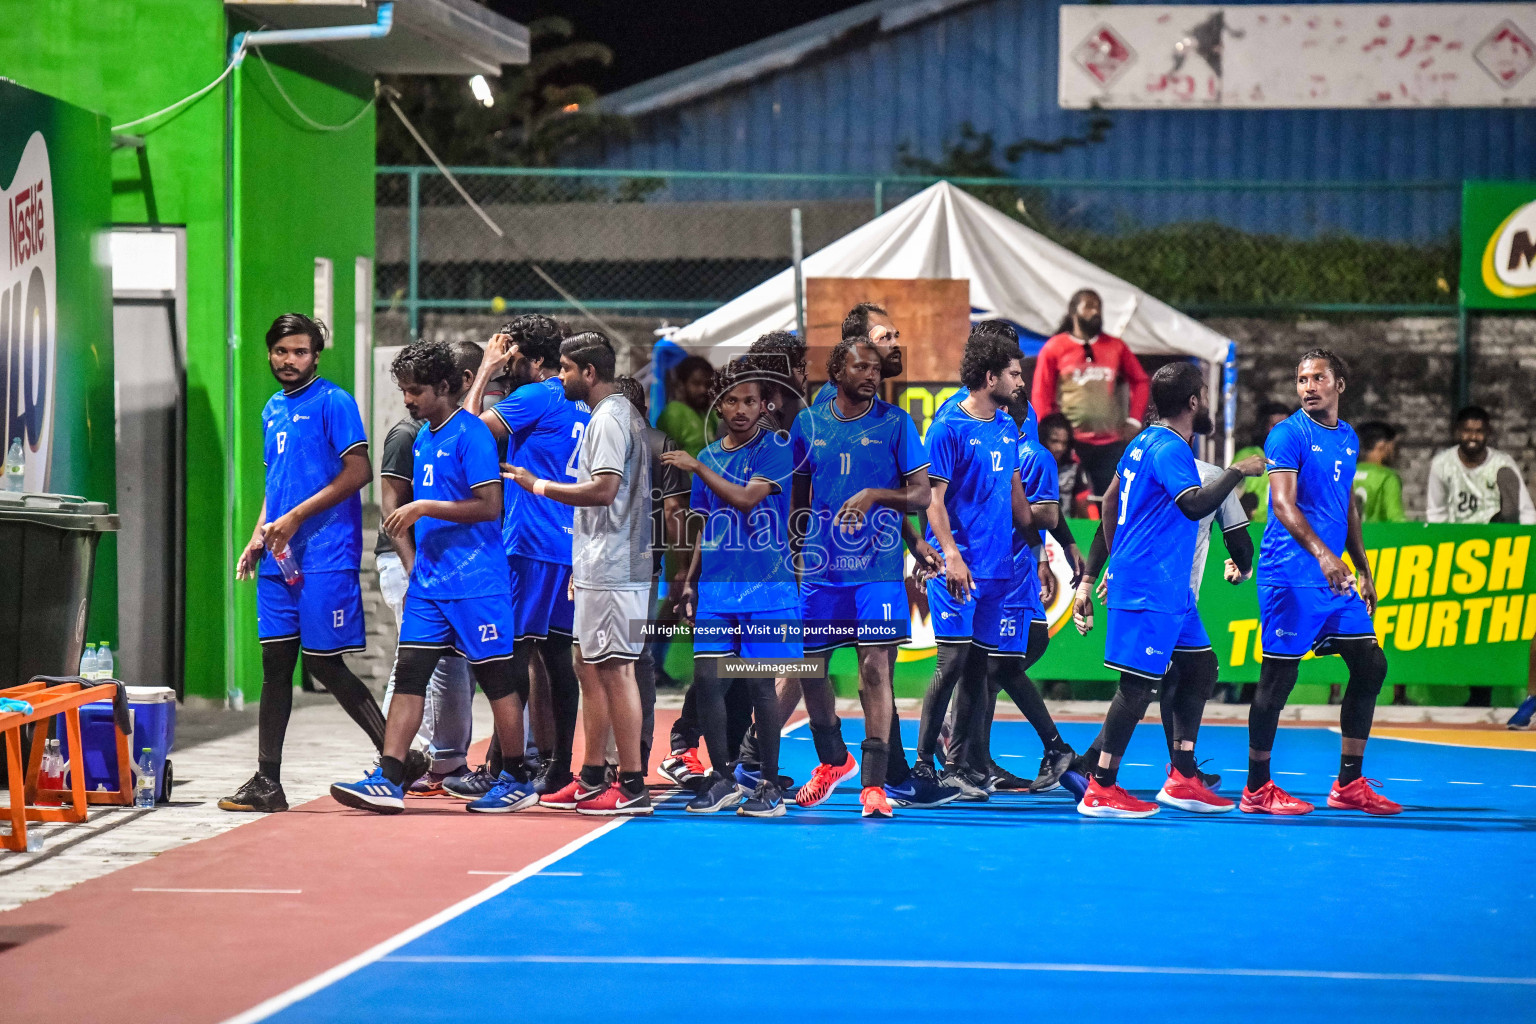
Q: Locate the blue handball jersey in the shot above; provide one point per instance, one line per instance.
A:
(307, 433)
(745, 558)
(456, 560)
(978, 459)
(878, 448)
(1323, 459)
(1037, 472)
(1154, 543)
(1029, 431)
(545, 431)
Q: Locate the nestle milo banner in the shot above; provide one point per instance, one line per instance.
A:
(56, 305)
(1457, 608)
(1498, 245)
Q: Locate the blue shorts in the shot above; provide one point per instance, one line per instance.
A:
(1142, 641)
(1014, 628)
(541, 602)
(720, 633)
(324, 610)
(978, 621)
(868, 614)
(1295, 620)
(476, 628)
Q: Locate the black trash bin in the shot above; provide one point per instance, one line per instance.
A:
(47, 555)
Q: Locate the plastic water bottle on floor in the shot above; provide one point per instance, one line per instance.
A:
(289, 565)
(88, 662)
(50, 774)
(105, 667)
(15, 466)
(144, 780)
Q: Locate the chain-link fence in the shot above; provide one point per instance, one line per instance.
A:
(677, 244)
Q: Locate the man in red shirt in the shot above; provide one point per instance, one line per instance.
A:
(1077, 373)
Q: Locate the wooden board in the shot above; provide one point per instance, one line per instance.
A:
(932, 314)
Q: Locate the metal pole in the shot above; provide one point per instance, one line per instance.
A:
(1463, 359)
(797, 252)
(413, 296)
(879, 196)
(234, 697)
(1229, 404)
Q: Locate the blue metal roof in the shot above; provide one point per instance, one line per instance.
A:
(841, 94)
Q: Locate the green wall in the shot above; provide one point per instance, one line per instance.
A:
(301, 193)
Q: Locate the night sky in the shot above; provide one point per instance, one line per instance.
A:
(652, 37)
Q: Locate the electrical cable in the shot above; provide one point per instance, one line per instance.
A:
(234, 60)
(496, 228)
(317, 125)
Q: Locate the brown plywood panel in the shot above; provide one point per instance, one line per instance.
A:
(932, 314)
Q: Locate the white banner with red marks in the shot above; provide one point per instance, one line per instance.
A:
(1298, 55)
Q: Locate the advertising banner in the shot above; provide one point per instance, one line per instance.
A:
(1297, 55)
(1456, 608)
(1498, 244)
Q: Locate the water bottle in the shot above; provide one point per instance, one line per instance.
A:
(15, 466)
(144, 782)
(50, 774)
(105, 667)
(288, 564)
(88, 662)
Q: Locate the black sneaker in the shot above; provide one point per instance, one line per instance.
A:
(956, 777)
(472, 786)
(1003, 780)
(1053, 766)
(1212, 781)
(925, 771)
(259, 794)
(416, 765)
(767, 801)
(718, 793)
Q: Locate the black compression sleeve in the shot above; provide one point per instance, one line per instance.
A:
(1062, 532)
(1198, 503)
(1098, 554)
(1240, 548)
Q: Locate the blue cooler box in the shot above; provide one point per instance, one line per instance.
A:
(152, 710)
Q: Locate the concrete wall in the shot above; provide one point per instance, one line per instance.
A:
(1404, 373)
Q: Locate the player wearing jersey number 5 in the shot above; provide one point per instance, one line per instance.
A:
(610, 571)
(1152, 513)
(459, 598)
(1308, 597)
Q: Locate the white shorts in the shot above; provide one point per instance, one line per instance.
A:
(608, 623)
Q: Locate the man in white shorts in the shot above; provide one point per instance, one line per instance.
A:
(610, 575)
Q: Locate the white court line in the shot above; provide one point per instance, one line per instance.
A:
(1453, 782)
(542, 874)
(1290, 773)
(265, 1009)
(1133, 764)
(965, 965)
(257, 891)
(1521, 785)
(1405, 780)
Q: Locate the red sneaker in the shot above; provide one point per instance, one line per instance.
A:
(1191, 794)
(569, 795)
(874, 802)
(1271, 799)
(1361, 795)
(1112, 802)
(683, 767)
(614, 801)
(823, 781)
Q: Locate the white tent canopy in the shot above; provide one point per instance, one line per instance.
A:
(1015, 273)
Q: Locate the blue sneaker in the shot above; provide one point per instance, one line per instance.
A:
(508, 794)
(765, 802)
(374, 793)
(920, 793)
(1075, 783)
(1521, 719)
(718, 794)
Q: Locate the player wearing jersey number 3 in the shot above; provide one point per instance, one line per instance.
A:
(1308, 597)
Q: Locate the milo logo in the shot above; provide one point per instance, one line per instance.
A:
(28, 310)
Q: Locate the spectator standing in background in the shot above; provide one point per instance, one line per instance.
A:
(1473, 483)
(1378, 488)
(682, 419)
(1255, 489)
(1056, 437)
(1077, 373)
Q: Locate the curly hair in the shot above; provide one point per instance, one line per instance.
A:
(856, 323)
(537, 337)
(632, 390)
(741, 370)
(779, 352)
(986, 352)
(427, 363)
(837, 359)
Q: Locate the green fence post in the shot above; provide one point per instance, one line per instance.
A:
(879, 196)
(413, 297)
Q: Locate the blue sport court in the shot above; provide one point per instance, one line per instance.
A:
(1015, 910)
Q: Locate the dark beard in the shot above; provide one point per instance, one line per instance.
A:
(1203, 423)
(1091, 326)
(891, 364)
